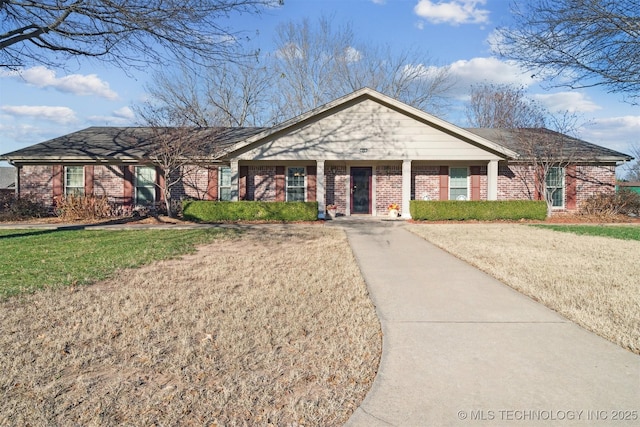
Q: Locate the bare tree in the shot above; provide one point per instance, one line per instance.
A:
(503, 107)
(551, 155)
(313, 64)
(307, 63)
(236, 93)
(316, 63)
(403, 75)
(124, 33)
(239, 94)
(521, 125)
(587, 42)
(177, 150)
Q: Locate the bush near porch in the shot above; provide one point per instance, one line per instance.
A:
(211, 211)
(485, 210)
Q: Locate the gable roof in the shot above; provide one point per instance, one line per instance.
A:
(117, 144)
(364, 94)
(134, 144)
(570, 148)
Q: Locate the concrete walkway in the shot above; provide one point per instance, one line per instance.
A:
(461, 348)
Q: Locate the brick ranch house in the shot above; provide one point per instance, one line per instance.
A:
(360, 152)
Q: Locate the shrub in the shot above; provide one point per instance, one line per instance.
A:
(14, 208)
(478, 210)
(73, 208)
(623, 202)
(210, 211)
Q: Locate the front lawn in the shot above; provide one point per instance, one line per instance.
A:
(272, 328)
(616, 232)
(33, 259)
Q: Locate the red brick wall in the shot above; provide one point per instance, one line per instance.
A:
(37, 181)
(194, 185)
(388, 187)
(108, 181)
(591, 180)
(261, 183)
(336, 187)
(515, 182)
(425, 181)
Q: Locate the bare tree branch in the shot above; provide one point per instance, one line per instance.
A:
(586, 42)
(313, 64)
(125, 33)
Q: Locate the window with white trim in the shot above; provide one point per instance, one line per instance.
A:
(459, 183)
(555, 186)
(74, 180)
(224, 183)
(145, 183)
(296, 185)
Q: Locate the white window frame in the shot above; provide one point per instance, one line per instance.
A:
(152, 186)
(468, 196)
(287, 186)
(221, 187)
(561, 187)
(76, 190)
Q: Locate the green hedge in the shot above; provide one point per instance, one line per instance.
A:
(478, 210)
(210, 211)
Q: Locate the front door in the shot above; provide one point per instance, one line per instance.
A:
(361, 190)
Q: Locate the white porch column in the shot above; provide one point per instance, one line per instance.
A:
(235, 181)
(406, 188)
(320, 188)
(492, 180)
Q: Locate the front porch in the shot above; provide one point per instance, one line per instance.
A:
(361, 187)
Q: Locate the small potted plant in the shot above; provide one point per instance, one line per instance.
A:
(394, 209)
(331, 210)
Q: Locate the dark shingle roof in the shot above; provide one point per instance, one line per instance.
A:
(571, 148)
(135, 143)
(121, 143)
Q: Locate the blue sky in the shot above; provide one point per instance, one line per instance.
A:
(43, 103)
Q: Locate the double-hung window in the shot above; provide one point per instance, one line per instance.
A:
(296, 184)
(555, 186)
(74, 180)
(145, 182)
(224, 183)
(458, 183)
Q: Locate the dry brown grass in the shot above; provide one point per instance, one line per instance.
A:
(594, 281)
(273, 328)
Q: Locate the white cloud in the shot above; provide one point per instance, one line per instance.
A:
(466, 73)
(454, 12)
(121, 117)
(617, 133)
(351, 54)
(62, 115)
(573, 102)
(77, 84)
(289, 51)
(379, 1)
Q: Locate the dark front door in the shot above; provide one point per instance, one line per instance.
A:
(361, 190)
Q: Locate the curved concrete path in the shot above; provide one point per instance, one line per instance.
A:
(462, 349)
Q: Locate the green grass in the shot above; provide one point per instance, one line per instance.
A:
(33, 259)
(615, 232)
